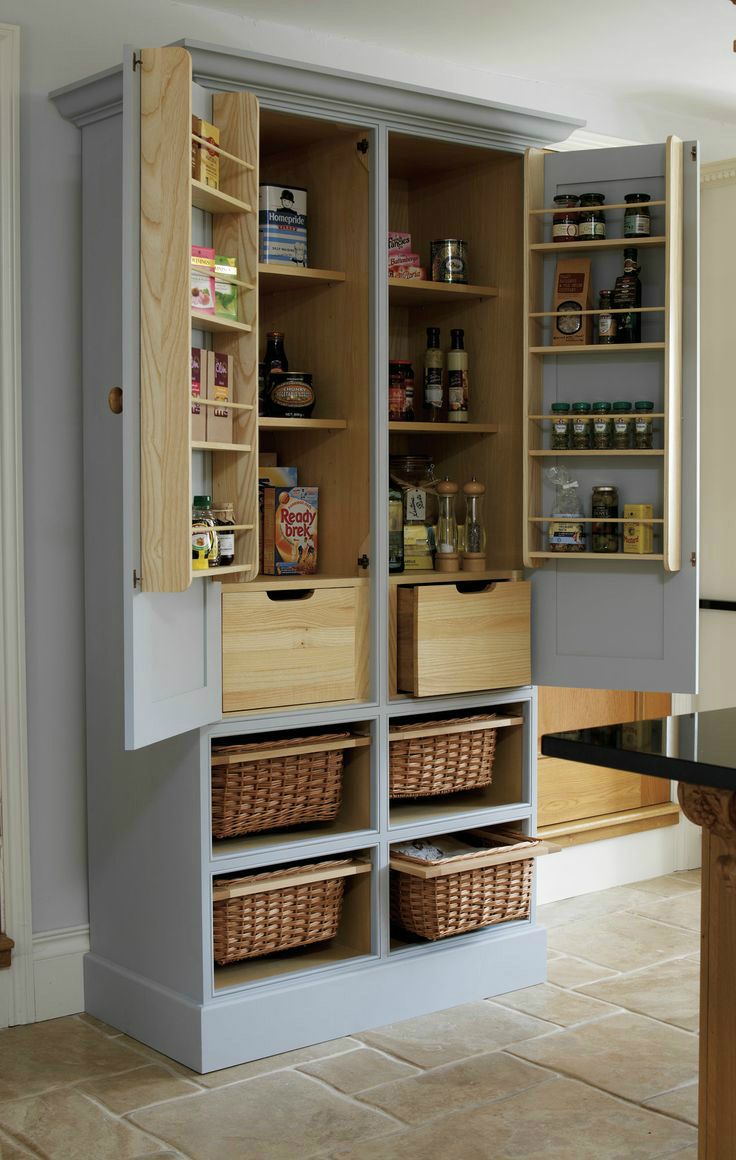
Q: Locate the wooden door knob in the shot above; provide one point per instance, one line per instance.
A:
(115, 400)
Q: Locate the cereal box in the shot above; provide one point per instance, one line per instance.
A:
(226, 294)
(290, 531)
(205, 162)
(271, 476)
(282, 224)
(199, 390)
(203, 279)
(572, 293)
(219, 387)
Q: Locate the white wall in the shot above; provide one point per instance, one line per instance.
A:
(63, 40)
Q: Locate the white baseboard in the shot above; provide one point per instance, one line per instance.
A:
(58, 971)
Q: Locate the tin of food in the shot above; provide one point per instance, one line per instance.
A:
(449, 260)
(290, 395)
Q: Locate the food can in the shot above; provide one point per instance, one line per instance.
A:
(282, 224)
(449, 260)
(290, 394)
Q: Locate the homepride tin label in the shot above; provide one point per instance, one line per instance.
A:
(282, 224)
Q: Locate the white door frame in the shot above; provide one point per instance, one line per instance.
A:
(17, 1003)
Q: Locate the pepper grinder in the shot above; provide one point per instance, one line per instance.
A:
(474, 554)
(447, 557)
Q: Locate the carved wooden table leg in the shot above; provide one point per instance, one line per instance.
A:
(715, 811)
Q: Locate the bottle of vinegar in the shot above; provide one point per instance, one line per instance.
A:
(457, 379)
(434, 367)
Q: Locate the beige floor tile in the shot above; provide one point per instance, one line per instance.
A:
(555, 1005)
(669, 886)
(626, 1055)
(693, 958)
(135, 1089)
(11, 1150)
(684, 910)
(146, 1054)
(566, 971)
(457, 1085)
(64, 1125)
(431, 1040)
(692, 876)
(282, 1116)
(624, 942)
(41, 1056)
(277, 1062)
(354, 1071)
(555, 1120)
(669, 991)
(593, 905)
(681, 1103)
(684, 1154)
(105, 1028)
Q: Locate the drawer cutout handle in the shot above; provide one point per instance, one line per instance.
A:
(291, 594)
(472, 586)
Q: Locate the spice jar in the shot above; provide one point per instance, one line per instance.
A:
(223, 515)
(622, 426)
(591, 222)
(637, 216)
(602, 427)
(643, 425)
(604, 536)
(474, 552)
(447, 558)
(565, 225)
(581, 426)
(561, 426)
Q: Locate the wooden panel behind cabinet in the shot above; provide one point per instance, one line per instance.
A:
(165, 371)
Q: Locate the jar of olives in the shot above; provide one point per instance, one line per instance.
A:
(643, 425)
(592, 222)
(581, 427)
(637, 216)
(561, 426)
(604, 536)
(622, 426)
(602, 427)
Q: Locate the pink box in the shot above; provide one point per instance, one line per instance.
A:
(409, 271)
(403, 259)
(399, 242)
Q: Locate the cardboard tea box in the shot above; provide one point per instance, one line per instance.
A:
(199, 391)
(571, 293)
(219, 388)
(205, 162)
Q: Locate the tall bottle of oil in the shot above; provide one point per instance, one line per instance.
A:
(434, 373)
(457, 379)
(626, 296)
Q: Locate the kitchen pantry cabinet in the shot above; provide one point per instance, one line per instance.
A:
(179, 665)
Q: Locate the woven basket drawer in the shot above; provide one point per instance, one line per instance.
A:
(435, 758)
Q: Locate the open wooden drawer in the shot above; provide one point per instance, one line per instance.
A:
(294, 645)
(459, 638)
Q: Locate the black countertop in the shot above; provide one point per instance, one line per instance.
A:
(698, 748)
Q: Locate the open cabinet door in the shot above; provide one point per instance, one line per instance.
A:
(171, 638)
(623, 621)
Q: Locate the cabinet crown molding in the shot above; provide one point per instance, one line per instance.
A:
(718, 172)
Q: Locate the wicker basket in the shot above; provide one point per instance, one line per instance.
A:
(263, 786)
(424, 761)
(283, 909)
(452, 896)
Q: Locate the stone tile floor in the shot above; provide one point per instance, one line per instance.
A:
(600, 1063)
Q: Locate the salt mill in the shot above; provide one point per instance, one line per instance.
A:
(447, 557)
(474, 554)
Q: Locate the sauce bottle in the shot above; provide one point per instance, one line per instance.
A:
(434, 366)
(457, 379)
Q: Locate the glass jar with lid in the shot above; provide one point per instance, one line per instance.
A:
(224, 517)
(637, 216)
(204, 537)
(592, 221)
(643, 426)
(416, 477)
(561, 426)
(581, 427)
(622, 426)
(564, 224)
(602, 427)
(604, 537)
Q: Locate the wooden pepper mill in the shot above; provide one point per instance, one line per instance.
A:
(447, 557)
(474, 554)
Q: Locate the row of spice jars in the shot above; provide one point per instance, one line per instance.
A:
(582, 219)
(602, 426)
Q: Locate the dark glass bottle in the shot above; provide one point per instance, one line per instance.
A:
(275, 357)
(626, 296)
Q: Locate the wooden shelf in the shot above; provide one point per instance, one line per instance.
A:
(426, 428)
(218, 325)
(587, 209)
(593, 555)
(275, 276)
(215, 201)
(626, 414)
(218, 403)
(215, 573)
(224, 153)
(418, 292)
(606, 310)
(267, 424)
(200, 446)
(595, 454)
(588, 520)
(432, 577)
(599, 244)
(598, 348)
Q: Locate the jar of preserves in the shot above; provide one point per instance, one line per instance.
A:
(561, 427)
(622, 426)
(581, 427)
(637, 216)
(602, 427)
(396, 395)
(223, 515)
(592, 221)
(643, 425)
(565, 225)
(604, 536)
